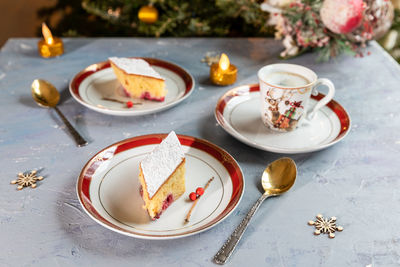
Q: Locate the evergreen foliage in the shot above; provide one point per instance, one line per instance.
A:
(218, 18)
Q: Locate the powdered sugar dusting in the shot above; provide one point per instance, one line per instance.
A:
(161, 162)
(135, 66)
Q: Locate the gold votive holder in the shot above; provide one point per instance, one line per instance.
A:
(51, 49)
(219, 76)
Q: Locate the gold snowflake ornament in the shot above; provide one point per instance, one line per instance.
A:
(27, 179)
(325, 226)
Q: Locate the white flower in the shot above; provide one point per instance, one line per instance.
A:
(290, 47)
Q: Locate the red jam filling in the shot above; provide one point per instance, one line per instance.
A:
(141, 191)
(166, 203)
(146, 95)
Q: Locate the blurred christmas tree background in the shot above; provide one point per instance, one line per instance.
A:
(177, 18)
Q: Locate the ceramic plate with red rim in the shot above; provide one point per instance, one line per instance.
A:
(238, 112)
(108, 188)
(98, 81)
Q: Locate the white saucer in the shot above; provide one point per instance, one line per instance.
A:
(98, 81)
(108, 188)
(238, 112)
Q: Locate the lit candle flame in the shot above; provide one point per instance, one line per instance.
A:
(224, 62)
(48, 37)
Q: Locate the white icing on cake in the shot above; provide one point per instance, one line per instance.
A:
(135, 66)
(162, 162)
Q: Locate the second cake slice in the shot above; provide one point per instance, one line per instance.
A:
(138, 78)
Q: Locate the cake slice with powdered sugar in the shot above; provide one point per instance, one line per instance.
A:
(138, 78)
(162, 175)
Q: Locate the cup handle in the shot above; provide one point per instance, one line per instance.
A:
(324, 100)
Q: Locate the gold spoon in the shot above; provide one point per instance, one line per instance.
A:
(46, 95)
(277, 178)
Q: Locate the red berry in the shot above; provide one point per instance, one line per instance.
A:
(129, 104)
(200, 191)
(193, 196)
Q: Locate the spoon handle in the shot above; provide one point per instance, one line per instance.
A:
(78, 138)
(229, 246)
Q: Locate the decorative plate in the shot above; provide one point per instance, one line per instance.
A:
(90, 86)
(238, 112)
(108, 188)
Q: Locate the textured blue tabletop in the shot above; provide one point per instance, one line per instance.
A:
(357, 180)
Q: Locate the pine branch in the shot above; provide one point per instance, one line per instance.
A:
(99, 12)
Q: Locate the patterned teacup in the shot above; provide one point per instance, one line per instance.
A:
(285, 92)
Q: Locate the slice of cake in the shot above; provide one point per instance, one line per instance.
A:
(162, 176)
(138, 78)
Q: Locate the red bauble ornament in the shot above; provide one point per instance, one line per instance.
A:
(342, 16)
(377, 19)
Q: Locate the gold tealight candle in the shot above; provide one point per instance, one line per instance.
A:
(223, 73)
(50, 46)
